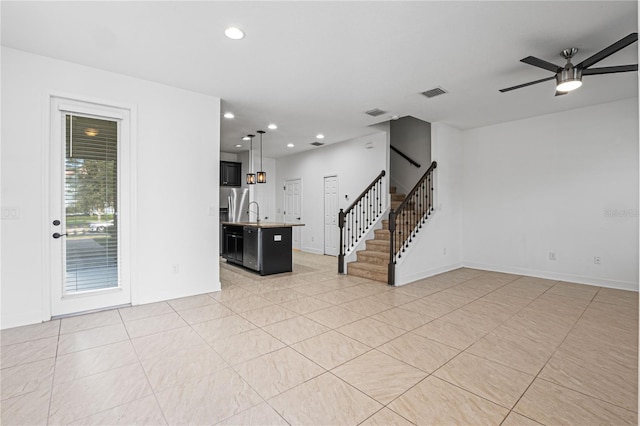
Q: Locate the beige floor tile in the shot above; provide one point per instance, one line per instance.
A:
(500, 312)
(369, 288)
(245, 346)
(295, 329)
(514, 302)
(96, 360)
(184, 364)
(515, 351)
(305, 305)
(191, 302)
(313, 289)
(378, 375)
(334, 316)
(11, 336)
(166, 343)
(386, 417)
(476, 320)
(205, 313)
(278, 371)
(28, 409)
(222, 327)
(330, 349)
(233, 293)
(611, 317)
(207, 399)
(90, 395)
(433, 309)
(144, 411)
(495, 382)
(365, 306)
(548, 403)
(402, 318)
(416, 290)
(572, 290)
(152, 325)
(143, 311)
(371, 332)
(283, 295)
(435, 402)
(418, 351)
(556, 304)
(248, 303)
(87, 321)
(448, 298)
(392, 298)
(515, 419)
(268, 315)
(454, 335)
(607, 372)
(524, 290)
(337, 297)
(259, 415)
(26, 378)
(617, 297)
(537, 326)
(324, 400)
(91, 338)
(29, 351)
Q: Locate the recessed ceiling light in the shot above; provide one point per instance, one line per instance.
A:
(234, 33)
(246, 138)
(238, 146)
(229, 115)
(272, 126)
(319, 136)
(290, 145)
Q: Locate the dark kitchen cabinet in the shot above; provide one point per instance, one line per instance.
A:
(233, 243)
(230, 173)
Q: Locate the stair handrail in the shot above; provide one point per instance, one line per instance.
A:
(420, 197)
(351, 220)
(405, 156)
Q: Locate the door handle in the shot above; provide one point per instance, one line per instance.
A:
(297, 218)
(57, 235)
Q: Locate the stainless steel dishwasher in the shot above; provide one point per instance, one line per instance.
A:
(251, 252)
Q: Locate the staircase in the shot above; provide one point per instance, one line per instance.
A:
(373, 262)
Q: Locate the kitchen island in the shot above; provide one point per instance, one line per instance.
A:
(264, 247)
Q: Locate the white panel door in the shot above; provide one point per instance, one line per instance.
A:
(87, 205)
(331, 230)
(293, 208)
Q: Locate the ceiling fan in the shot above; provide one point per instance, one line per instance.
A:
(569, 77)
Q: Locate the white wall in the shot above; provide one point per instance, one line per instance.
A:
(413, 137)
(177, 174)
(438, 247)
(354, 164)
(565, 183)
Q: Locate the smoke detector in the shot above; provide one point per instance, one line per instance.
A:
(375, 112)
(432, 93)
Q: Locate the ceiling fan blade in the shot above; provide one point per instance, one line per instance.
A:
(607, 51)
(610, 70)
(536, 62)
(558, 93)
(527, 84)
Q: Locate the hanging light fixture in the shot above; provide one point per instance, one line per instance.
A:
(262, 176)
(251, 177)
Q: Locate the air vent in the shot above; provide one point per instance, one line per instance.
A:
(375, 112)
(434, 92)
(316, 143)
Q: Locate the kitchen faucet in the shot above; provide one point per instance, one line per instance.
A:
(257, 210)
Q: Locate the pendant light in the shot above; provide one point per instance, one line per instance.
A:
(262, 176)
(251, 177)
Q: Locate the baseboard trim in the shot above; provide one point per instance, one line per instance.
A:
(400, 280)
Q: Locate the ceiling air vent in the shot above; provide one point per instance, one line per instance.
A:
(375, 112)
(434, 92)
(316, 143)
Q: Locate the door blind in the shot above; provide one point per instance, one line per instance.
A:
(91, 203)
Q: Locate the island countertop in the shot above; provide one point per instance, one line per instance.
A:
(264, 224)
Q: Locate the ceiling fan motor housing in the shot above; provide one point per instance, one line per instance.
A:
(569, 78)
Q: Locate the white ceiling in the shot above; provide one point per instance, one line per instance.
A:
(315, 67)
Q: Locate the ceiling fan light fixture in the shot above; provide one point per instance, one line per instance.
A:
(568, 79)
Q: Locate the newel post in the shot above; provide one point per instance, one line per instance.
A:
(341, 255)
(391, 278)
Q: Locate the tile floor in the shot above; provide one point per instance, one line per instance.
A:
(317, 348)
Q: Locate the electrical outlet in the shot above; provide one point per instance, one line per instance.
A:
(596, 260)
(175, 268)
(552, 255)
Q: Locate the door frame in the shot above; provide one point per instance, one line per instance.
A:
(127, 154)
(324, 235)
